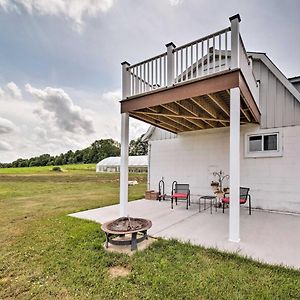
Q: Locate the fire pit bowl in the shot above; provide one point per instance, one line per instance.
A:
(116, 230)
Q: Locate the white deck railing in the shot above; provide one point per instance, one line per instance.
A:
(246, 67)
(205, 56)
(148, 75)
(202, 57)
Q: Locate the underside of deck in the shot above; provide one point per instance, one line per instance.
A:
(199, 104)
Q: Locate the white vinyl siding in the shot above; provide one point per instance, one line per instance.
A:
(193, 157)
(278, 107)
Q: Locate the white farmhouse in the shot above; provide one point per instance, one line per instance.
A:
(214, 106)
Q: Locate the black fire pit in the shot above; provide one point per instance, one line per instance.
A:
(116, 230)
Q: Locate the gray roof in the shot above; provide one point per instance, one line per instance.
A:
(134, 161)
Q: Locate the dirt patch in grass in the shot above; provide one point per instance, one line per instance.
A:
(126, 249)
(118, 271)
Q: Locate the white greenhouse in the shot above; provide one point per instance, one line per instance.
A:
(112, 164)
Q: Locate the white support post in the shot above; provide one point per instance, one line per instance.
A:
(124, 145)
(170, 64)
(234, 156)
(234, 164)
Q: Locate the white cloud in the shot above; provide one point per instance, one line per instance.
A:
(4, 146)
(13, 90)
(175, 2)
(51, 123)
(72, 10)
(6, 126)
(5, 4)
(10, 91)
(56, 103)
(110, 121)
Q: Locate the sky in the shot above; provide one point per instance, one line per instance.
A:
(60, 60)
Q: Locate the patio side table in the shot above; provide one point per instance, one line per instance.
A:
(210, 198)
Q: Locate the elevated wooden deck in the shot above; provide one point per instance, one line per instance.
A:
(188, 87)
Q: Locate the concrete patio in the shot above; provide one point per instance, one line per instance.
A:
(269, 237)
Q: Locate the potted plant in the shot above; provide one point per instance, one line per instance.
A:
(226, 190)
(214, 185)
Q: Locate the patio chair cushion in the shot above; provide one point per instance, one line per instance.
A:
(179, 195)
(227, 200)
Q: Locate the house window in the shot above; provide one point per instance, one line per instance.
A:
(263, 145)
(255, 143)
(270, 142)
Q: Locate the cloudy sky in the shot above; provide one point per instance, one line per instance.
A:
(60, 60)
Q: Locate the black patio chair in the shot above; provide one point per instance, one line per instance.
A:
(181, 191)
(161, 190)
(244, 196)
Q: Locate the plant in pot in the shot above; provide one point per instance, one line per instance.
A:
(226, 190)
(215, 186)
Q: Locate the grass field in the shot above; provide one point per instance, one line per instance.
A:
(45, 254)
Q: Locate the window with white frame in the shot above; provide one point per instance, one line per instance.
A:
(263, 144)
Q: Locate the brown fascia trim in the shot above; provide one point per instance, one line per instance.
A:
(203, 86)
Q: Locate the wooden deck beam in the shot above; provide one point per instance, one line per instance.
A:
(245, 113)
(154, 122)
(220, 103)
(205, 106)
(182, 116)
(176, 110)
(168, 118)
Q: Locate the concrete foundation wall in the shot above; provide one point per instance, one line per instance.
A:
(193, 157)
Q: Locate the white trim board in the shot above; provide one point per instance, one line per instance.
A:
(270, 65)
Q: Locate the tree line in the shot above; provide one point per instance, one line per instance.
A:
(97, 151)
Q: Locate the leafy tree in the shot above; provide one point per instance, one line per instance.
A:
(138, 147)
(101, 149)
(97, 151)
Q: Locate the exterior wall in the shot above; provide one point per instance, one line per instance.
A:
(193, 157)
(161, 134)
(278, 106)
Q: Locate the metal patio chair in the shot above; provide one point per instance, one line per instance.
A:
(181, 191)
(244, 196)
(161, 190)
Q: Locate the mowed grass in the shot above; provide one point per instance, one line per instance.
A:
(47, 169)
(45, 254)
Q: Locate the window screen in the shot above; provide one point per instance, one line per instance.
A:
(255, 143)
(270, 142)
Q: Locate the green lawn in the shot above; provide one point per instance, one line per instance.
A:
(45, 254)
